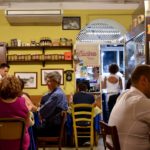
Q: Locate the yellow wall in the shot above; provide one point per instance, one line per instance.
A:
(28, 33)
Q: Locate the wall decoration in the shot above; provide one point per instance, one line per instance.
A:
(88, 53)
(44, 73)
(29, 78)
(71, 23)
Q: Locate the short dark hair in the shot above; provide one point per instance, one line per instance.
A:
(139, 71)
(3, 65)
(82, 87)
(113, 68)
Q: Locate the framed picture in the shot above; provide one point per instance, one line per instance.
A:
(29, 78)
(44, 73)
(71, 23)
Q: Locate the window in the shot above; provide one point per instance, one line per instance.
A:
(112, 54)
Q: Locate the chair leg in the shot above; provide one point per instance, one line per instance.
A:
(96, 138)
(59, 144)
(59, 148)
(91, 143)
(76, 144)
(76, 139)
(92, 139)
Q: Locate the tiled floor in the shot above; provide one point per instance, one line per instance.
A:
(99, 147)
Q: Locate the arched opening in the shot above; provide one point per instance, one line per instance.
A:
(106, 31)
(111, 38)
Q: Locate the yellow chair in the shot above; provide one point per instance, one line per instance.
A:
(12, 129)
(83, 127)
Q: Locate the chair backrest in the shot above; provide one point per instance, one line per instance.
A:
(83, 115)
(63, 120)
(45, 141)
(12, 129)
(112, 133)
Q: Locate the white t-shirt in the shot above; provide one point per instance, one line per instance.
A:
(112, 87)
(131, 115)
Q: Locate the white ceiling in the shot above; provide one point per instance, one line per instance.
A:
(70, 4)
(70, 1)
(114, 1)
(105, 1)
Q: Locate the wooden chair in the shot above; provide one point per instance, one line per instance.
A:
(112, 132)
(12, 129)
(47, 141)
(82, 115)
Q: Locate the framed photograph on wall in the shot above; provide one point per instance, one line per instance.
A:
(29, 78)
(44, 73)
(71, 23)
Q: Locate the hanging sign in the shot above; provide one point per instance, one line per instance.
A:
(88, 53)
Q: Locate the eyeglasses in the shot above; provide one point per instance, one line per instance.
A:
(50, 81)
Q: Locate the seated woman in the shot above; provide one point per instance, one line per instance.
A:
(13, 106)
(32, 108)
(26, 96)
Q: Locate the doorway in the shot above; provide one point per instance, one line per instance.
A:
(111, 38)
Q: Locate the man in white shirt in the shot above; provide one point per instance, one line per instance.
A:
(4, 68)
(131, 113)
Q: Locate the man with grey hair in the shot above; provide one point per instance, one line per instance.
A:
(131, 113)
(52, 104)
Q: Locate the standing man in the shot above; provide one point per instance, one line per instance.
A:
(4, 68)
(131, 113)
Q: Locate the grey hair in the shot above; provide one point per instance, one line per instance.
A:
(55, 75)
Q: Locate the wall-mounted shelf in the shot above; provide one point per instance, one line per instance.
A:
(50, 58)
(38, 47)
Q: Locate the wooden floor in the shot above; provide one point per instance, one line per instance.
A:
(99, 147)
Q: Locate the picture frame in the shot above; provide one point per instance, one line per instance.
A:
(44, 72)
(71, 23)
(29, 78)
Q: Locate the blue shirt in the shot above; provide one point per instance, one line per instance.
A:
(52, 104)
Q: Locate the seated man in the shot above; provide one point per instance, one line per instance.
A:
(81, 96)
(52, 104)
(131, 113)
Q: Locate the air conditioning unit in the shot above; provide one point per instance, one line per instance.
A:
(34, 17)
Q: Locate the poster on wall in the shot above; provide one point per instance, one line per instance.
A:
(88, 53)
(87, 56)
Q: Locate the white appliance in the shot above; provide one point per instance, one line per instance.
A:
(34, 17)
